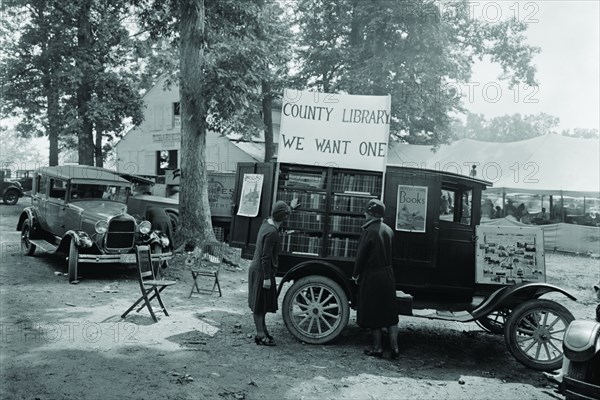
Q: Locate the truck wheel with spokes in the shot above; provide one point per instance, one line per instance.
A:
(315, 309)
(494, 321)
(534, 333)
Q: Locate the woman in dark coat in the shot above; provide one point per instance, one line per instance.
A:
(376, 305)
(262, 291)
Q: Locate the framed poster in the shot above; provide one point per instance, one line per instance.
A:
(507, 255)
(411, 208)
(251, 194)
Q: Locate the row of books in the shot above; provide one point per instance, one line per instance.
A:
(305, 220)
(343, 223)
(301, 243)
(307, 200)
(342, 247)
(357, 183)
(350, 203)
(304, 179)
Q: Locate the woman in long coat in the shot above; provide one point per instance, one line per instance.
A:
(262, 291)
(376, 305)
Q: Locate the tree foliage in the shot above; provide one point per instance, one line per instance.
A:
(506, 128)
(68, 72)
(414, 50)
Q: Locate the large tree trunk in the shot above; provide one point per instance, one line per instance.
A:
(98, 147)
(54, 122)
(194, 208)
(267, 105)
(84, 95)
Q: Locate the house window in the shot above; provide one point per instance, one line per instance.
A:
(176, 115)
(165, 159)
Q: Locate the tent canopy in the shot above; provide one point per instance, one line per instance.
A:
(549, 164)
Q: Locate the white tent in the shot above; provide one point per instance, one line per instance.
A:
(550, 164)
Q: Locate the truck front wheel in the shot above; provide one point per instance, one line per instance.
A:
(315, 309)
(534, 333)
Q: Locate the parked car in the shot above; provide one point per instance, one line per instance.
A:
(81, 211)
(11, 190)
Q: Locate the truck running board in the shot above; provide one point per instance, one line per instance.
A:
(460, 316)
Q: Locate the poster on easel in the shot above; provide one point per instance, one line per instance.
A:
(508, 255)
(251, 193)
(411, 208)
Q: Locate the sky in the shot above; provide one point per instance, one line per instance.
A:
(568, 67)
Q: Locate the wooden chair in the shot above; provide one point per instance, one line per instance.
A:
(207, 263)
(148, 283)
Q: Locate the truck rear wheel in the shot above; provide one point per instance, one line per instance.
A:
(315, 309)
(534, 333)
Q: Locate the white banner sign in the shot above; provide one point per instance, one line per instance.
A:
(344, 131)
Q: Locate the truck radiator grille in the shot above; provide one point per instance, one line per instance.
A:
(121, 234)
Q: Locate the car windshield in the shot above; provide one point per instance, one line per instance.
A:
(82, 191)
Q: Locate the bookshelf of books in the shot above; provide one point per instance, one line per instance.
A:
(332, 202)
(305, 228)
(350, 193)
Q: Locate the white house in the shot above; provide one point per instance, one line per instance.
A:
(153, 147)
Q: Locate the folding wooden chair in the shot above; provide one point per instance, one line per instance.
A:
(148, 283)
(208, 264)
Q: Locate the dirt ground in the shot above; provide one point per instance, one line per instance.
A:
(62, 341)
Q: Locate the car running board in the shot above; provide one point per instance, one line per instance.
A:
(44, 245)
(460, 316)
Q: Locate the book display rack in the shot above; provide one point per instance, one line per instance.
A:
(331, 213)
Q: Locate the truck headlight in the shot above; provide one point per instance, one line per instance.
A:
(101, 227)
(145, 227)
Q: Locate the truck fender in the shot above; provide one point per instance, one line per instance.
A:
(319, 267)
(582, 340)
(31, 214)
(510, 296)
(82, 240)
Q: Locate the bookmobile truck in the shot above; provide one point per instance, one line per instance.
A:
(447, 267)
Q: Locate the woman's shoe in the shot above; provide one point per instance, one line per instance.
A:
(395, 354)
(269, 337)
(373, 353)
(263, 341)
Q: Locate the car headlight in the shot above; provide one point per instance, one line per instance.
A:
(145, 227)
(101, 227)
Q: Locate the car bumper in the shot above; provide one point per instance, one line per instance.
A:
(128, 258)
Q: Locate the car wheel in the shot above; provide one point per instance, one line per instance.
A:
(534, 333)
(27, 247)
(315, 309)
(494, 321)
(11, 197)
(73, 258)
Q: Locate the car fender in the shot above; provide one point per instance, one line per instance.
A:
(82, 241)
(13, 186)
(30, 213)
(319, 267)
(511, 296)
(582, 340)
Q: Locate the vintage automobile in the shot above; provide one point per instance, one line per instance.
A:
(81, 211)
(11, 190)
(446, 265)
